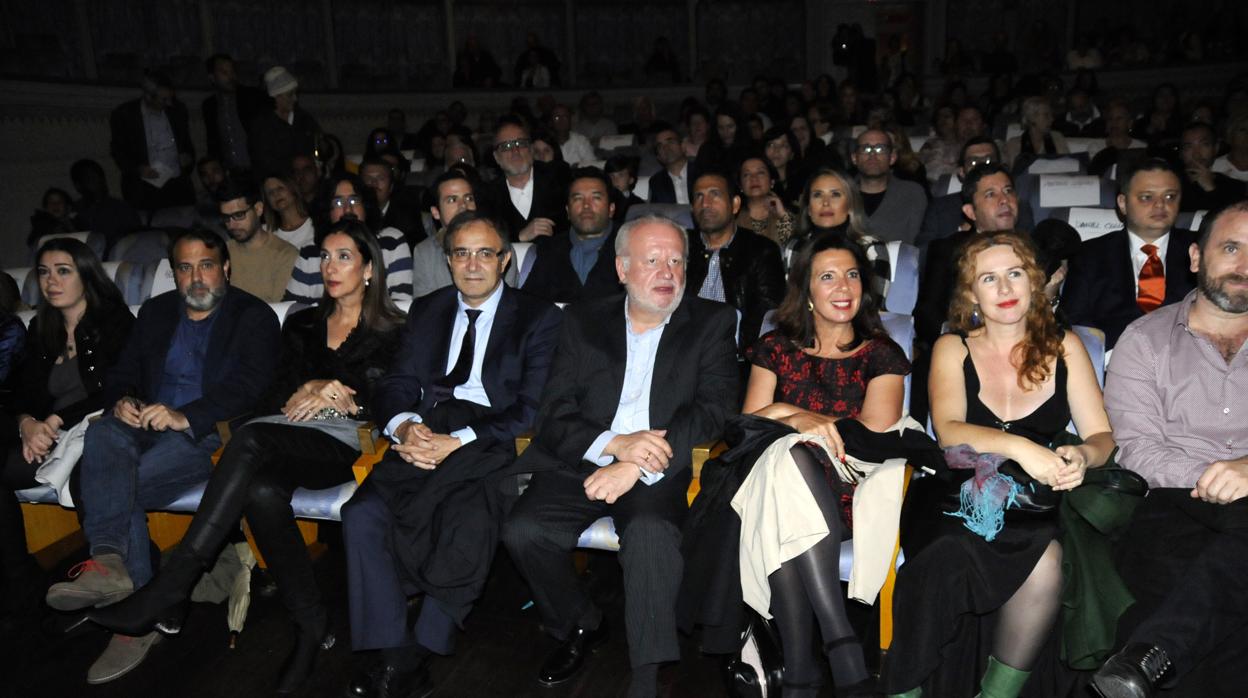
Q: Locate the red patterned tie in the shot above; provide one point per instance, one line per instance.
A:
(1152, 281)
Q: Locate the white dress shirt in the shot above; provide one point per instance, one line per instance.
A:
(633, 413)
(681, 184)
(522, 198)
(473, 389)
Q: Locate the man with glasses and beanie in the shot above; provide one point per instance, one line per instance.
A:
(465, 383)
(528, 197)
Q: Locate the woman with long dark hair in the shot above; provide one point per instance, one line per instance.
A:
(1005, 381)
(331, 355)
(80, 326)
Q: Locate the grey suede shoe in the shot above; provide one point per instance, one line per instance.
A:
(97, 582)
(122, 654)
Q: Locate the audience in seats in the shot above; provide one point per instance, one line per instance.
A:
(1117, 141)
(1005, 381)
(697, 123)
(1234, 163)
(332, 356)
(280, 133)
(763, 211)
(1204, 189)
(466, 382)
(622, 170)
(396, 212)
(351, 199)
(1162, 123)
(151, 144)
(1121, 276)
(1082, 118)
(618, 442)
(730, 264)
(831, 204)
(96, 209)
(943, 216)
(285, 214)
(1175, 399)
(528, 197)
(939, 153)
(202, 353)
(54, 215)
(1038, 137)
(575, 146)
(228, 112)
(578, 264)
(306, 173)
(894, 206)
(211, 178)
(673, 183)
(79, 328)
(260, 262)
(591, 119)
(453, 192)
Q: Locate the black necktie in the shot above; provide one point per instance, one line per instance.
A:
(463, 365)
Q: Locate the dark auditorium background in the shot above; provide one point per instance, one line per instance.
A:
(65, 64)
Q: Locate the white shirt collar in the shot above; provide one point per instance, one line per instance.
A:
(489, 307)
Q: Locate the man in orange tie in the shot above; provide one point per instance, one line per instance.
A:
(1123, 275)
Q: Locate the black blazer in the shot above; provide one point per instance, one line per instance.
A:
(129, 146)
(274, 143)
(663, 189)
(358, 363)
(1100, 283)
(944, 215)
(694, 387)
(250, 102)
(403, 215)
(238, 369)
(753, 277)
(517, 357)
(99, 338)
(553, 278)
(550, 200)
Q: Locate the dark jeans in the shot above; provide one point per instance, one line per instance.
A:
(543, 529)
(1186, 562)
(127, 472)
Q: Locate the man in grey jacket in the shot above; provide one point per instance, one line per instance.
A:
(894, 207)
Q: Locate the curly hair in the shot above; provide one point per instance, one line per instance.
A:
(1043, 340)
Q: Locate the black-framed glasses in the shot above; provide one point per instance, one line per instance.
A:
(976, 162)
(875, 149)
(237, 215)
(482, 254)
(345, 201)
(513, 144)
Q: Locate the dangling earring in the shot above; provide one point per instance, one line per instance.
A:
(366, 282)
(976, 318)
(810, 305)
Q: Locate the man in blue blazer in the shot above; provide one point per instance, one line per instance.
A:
(637, 382)
(1103, 283)
(203, 353)
(464, 385)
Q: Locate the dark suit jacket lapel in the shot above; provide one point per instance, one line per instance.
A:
(444, 320)
(1122, 268)
(1178, 266)
(671, 345)
(615, 350)
(504, 320)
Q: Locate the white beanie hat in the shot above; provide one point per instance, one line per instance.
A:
(278, 80)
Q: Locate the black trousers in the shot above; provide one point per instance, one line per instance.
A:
(258, 473)
(541, 533)
(1186, 562)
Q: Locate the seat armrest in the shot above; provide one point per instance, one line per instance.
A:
(226, 427)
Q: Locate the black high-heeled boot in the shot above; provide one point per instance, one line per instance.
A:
(161, 605)
(313, 637)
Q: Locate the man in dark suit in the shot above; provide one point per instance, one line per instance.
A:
(203, 353)
(228, 112)
(944, 215)
(465, 383)
(674, 183)
(1204, 189)
(579, 264)
(1115, 278)
(527, 197)
(730, 264)
(637, 382)
(151, 144)
(396, 211)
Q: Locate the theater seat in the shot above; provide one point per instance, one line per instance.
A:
(903, 291)
(681, 213)
(177, 217)
(141, 247)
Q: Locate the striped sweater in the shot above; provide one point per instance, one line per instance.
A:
(305, 281)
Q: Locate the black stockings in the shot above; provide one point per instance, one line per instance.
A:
(1024, 621)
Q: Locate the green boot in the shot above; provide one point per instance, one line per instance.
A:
(916, 692)
(1001, 680)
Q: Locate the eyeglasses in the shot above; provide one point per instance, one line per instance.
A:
(876, 149)
(345, 201)
(484, 255)
(976, 162)
(237, 215)
(514, 144)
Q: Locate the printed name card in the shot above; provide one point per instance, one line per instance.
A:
(1093, 222)
(1058, 190)
(613, 142)
(1054, 166)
